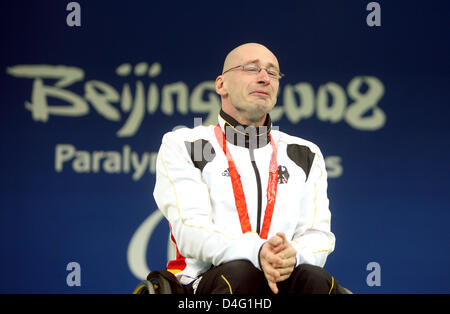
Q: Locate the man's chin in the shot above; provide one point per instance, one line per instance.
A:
(264, 107)
(259, 112)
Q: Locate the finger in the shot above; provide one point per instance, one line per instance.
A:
(287, 267)
(283, 245)
(287, 263)
(283, 278)
(277, 250)
(272, 258)
(268, 261)
(272, 276)
(282, 270)
(270, 272)
(273, 287)
(275, 241)
(285, 271)
(282, 236)
(287, 253)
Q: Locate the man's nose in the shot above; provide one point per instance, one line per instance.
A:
(263, 77)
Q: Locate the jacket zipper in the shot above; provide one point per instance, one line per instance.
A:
(258, 184)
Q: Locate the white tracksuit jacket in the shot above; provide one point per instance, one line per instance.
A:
(194, 192)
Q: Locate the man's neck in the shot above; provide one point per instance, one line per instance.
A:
(245, 135)
(244, 121)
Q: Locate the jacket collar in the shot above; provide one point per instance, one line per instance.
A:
(244, 135)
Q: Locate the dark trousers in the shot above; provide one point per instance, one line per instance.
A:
(241, 277)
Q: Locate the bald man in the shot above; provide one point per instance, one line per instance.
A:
(247, 204)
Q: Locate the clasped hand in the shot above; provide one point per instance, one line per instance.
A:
(277, 259)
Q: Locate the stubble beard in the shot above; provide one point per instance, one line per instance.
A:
(252, 116)
(253, 112)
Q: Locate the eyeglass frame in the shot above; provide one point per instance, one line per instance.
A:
(280, 75)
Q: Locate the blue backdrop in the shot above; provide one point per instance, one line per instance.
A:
(84, 108)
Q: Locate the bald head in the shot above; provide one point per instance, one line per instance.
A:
(248, 52)
(248, 95)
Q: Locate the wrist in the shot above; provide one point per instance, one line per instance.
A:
(259, 255)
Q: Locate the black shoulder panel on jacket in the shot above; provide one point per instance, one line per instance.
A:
(302, 156)
(201, 152)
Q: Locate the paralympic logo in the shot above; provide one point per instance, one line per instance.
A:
(139, 244)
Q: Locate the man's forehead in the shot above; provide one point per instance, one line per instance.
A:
(251, 53)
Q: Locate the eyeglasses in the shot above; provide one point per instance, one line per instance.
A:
(253, 68)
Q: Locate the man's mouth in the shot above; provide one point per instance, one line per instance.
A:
(260, 93)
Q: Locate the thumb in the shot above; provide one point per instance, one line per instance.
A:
(275, 241)
(273, 287)
(282, 236)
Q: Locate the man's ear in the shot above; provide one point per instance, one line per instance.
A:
(220, 89)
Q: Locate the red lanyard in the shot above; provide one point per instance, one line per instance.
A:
(238, 190)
